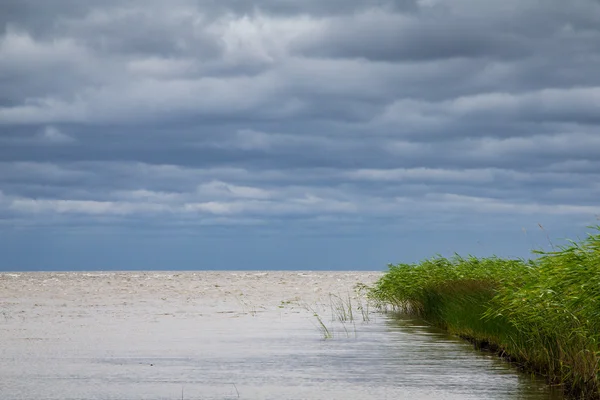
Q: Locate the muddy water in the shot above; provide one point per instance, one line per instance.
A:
(229, 335)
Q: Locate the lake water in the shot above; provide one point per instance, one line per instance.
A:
(229, 335)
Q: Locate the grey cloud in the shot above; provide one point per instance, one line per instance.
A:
(160, 184)
(318, 8)
(40, 17)
(380, 36)
(45, 136)
(284, 114)
(123, 87)
(52, 135)
(158, 30)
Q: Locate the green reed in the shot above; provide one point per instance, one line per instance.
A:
(543, 314)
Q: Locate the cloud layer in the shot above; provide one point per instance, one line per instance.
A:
(426, 119)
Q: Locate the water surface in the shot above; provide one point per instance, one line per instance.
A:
(228, 335)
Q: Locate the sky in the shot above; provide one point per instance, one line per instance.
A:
(280, 134)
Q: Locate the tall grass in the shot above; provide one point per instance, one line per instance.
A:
(543, 314)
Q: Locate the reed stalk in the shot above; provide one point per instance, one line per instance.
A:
(543, 314)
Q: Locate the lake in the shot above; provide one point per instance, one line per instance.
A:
(230, 335)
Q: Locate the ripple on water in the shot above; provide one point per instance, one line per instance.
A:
(216, 334)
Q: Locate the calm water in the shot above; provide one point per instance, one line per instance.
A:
(228, 335)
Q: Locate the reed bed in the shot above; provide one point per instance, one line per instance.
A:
(543, 314)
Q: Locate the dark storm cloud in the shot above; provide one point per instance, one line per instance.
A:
(383, 37)
(284, 114)
(506, 46)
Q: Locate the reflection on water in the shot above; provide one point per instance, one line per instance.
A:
(227, 335)
(443, 363)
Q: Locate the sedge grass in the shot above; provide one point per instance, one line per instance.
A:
(542, 314)
(326, 332)
(343, 312)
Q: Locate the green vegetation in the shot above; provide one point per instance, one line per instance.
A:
(343, 311)
(542, 314)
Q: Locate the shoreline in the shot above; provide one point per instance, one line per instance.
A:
(541, 315)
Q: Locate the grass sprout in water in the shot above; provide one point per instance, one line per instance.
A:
(343, 312)
(325, 331)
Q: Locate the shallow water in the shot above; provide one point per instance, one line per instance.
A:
(228, 335)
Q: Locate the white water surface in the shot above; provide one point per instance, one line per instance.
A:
(229, 335)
